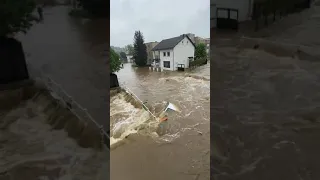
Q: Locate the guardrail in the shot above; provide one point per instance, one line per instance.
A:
(60, 94)
(138, 99)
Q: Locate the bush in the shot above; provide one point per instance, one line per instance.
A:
(115, 62)
(198, 62)
(200, 51)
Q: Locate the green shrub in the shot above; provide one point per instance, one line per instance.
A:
(198, 62)
(115, 62)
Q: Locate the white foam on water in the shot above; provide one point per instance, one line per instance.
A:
(126, 119)
(31, 142)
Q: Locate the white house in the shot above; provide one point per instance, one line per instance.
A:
(244, 7)
(175, 52)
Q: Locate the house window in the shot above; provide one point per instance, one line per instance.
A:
(166, 64)
(182, 42)
(164, 53)
(168, 53)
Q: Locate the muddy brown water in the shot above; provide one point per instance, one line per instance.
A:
(73, 53)
(182, 152)
(266, 105)
(40, 139)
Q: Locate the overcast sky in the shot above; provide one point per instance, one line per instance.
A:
(157, 19)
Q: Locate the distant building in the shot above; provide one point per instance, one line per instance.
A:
(151, 55)
(175, 52)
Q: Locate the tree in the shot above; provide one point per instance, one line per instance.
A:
(115, 63)
(123, 56)
(200, 51)
(16, 16)
(140, 50)
(129, 49)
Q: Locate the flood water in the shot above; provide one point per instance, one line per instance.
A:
(72, 52)
(180, 148)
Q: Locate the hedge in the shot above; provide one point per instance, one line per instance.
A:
(198, 62)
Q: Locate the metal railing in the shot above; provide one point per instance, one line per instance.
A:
(59, 93)
(140, 101)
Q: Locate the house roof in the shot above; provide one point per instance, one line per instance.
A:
(171, 43)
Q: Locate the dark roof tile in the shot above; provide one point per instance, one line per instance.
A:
(170, 43)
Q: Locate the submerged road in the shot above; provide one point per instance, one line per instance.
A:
(71, 52)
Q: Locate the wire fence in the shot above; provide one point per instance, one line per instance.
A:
(59, 93)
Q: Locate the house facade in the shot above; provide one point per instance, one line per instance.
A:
(151, 55)
(175, 52)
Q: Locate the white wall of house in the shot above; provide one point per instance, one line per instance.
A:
(244, 7)
(164, 57)
(182, 51)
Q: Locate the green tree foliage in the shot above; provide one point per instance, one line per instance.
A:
(97, 8)
(129, 49)
(140, 50)
(200, 51)
(16, 16)
(123, 56)
(115, 62)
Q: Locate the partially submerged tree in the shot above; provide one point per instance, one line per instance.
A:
(140, 50)
(16, 16)
(200, 51)
(115, 62)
